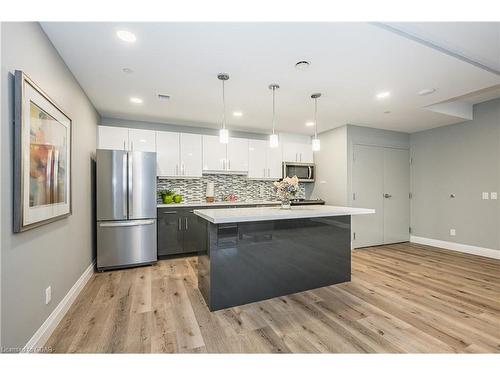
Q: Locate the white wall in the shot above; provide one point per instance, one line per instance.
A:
(55, 254)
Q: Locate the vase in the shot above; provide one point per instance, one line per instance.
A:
(285, 204)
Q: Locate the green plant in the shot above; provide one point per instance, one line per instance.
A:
(167, 193)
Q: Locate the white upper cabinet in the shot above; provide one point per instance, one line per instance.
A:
(237, 155)
(257, 160)
(190, 155)
(274, 162)
(264, 162)
(167, 154)
(297, 148)
(142, 140)
(214, 154)
(112, 138)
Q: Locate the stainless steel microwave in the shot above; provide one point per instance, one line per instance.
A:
(304, 171)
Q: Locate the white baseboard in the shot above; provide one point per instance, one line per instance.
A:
(43, 333)
(469, 249)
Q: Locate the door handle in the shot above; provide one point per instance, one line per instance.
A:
(387, 195)
(179, 224)
(127, 223)
(169, 212)
(186, 223)
(130, 185)
(125, 183)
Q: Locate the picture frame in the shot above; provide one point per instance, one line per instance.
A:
(42, 157)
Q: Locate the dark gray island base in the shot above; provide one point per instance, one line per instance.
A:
(255, 260)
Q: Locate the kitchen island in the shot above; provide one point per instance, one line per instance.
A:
(252, 254)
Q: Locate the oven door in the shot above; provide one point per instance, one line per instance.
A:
(304, 172)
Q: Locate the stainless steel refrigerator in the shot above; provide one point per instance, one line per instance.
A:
(126, 208)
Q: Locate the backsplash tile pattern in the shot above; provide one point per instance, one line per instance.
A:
(194, 189)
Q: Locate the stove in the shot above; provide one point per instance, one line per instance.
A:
(306, 202)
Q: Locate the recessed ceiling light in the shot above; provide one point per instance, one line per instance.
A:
(426, 92)
(237, 114)
(310, 123)
(387, 112)
(302, 65)
(136, 100)
(383, 95)
(126, 36)
(127, 70)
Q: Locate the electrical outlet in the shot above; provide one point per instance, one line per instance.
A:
(48, 295)
(486, 195)
(493, 195)
(453, 232)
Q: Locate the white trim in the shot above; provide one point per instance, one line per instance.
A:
(469, 249)
(43, 333)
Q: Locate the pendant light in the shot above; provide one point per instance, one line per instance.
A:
(273, 138)
(316, 145)
(223, 132)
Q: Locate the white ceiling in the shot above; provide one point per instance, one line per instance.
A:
(350, 63)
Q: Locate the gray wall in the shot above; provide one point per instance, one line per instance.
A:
(55, 254)
(331, 167)
(463, 159)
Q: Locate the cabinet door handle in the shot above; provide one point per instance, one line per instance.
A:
(179, 223)
(169, 212)
(124, 146)
(300, 156)
(176, 170)
(186, 223)
(229, 163)
(264, 172)
(131, 145)
(296, 156)
(268, 172)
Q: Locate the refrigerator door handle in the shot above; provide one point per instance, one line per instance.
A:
(124, 182)
(130, 186)
(126, 223)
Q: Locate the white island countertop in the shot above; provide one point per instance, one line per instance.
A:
(239, 215)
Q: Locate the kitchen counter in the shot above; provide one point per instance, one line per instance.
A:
(251, 254)
(239, 215)
(218, 204)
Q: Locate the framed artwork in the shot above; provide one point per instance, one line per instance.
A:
(42, 157)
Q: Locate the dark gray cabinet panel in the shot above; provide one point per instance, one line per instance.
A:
(170, 236)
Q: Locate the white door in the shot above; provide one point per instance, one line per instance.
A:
(142, 140)
(381, 180)
(396, 195)
(214, 154)
(257, 164)
(112, 138)
(167, 154)
(274, 162)
(368, 187)
(190, 155)
(237, 155)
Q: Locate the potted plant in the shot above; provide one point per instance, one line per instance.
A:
(286, 189)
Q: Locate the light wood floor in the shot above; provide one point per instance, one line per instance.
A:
(402, 298)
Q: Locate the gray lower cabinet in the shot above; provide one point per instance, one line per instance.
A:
(179, 231)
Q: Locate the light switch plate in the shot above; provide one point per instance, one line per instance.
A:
(48, 295)
(453, 232)
(486, 195)
(493, 195)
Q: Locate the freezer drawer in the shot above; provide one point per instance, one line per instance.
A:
(126, 243)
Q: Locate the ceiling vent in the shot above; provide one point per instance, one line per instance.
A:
(163, 96)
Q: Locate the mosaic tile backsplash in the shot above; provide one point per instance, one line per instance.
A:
(193, 190)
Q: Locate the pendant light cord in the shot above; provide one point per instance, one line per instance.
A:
(274, 107)
(223, 106)
(316, 118)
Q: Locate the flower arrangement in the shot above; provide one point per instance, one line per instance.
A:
(286, 189)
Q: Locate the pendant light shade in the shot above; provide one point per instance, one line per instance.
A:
(223, 132)
(273, 138)
(316, 143)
